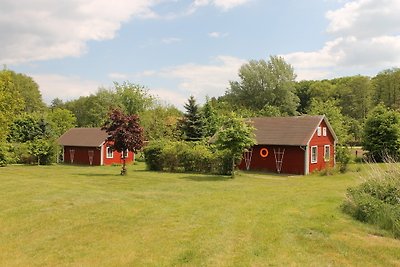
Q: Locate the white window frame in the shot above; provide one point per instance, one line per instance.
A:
(324, 131)
(108, 155)
(327, 156)
(314, 160)
(125, 153)
(319, 131)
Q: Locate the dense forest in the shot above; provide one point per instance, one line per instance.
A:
(263, 88)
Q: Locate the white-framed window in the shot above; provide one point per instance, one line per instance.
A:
(319, 131)
(125, 154)
(314, 154)
(324, 131)
(327, 152)
(110, 153)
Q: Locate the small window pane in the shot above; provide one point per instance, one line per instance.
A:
(314, 154)
(110, 153)
(324, 131)
(327, 152)
(319, 131)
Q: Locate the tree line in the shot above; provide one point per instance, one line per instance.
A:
(263, 88)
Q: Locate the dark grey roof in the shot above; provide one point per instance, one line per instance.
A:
(287, 130)
(86, 137)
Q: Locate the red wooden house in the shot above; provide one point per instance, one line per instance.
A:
(294, 145)
(89, 146)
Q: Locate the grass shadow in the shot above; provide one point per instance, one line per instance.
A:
(206, 178)
(99, 174)
(265, 173)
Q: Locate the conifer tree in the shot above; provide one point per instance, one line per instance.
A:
(210, 119)
(191, 124)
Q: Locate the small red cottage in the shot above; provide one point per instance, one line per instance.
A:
(295, 145)
(89, 146)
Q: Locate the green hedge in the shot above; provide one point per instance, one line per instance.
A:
(183, 156)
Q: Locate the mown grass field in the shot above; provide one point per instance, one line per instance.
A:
(91, 216)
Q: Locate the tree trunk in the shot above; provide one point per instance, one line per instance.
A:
(123, 171)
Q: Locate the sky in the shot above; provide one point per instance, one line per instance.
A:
(178, 48)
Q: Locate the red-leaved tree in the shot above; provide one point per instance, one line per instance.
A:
(125, 132)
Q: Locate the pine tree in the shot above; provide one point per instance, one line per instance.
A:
(210, 119)
(191, 124)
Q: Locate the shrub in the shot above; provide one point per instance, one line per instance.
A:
(196, 157)
(222, 162)
(188, 157)
(3, 155)
(377, 199)
(153, 156)
(343, 157)
(171, 155)
(19, 153)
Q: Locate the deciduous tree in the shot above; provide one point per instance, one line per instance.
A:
(125, 133)
(382, 133)
(60, 121)
(234, 137)
(11, 103)
(265, 83)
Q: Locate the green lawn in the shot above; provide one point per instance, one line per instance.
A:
(91, 216)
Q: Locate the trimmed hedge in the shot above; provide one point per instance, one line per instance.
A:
(183, 156)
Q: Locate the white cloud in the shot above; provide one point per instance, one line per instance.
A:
(209, 79)
(227, 4)
(117, 76)
(222, 4)
(217, 34)
(199, 80)
(168, 96)
(365, 36)
(171, 40)
(41, 30)
(64, 87)
(46, 29)
(365, 18)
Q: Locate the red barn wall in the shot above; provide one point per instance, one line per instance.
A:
(81, 155)
(117, 158)
(320, 141)
(293, 159)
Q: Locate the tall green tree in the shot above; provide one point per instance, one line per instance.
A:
(210, 118)
(265, 83)
(29, 91)
(60, 121)
(304, 95)
(56, 103)
(382, 133)
(387, 88)
(354, 96)
(92, 111)
(133, 98)
(160, 122)
(27, 127)
(322, 90)
(191, 124)
(11, 102)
